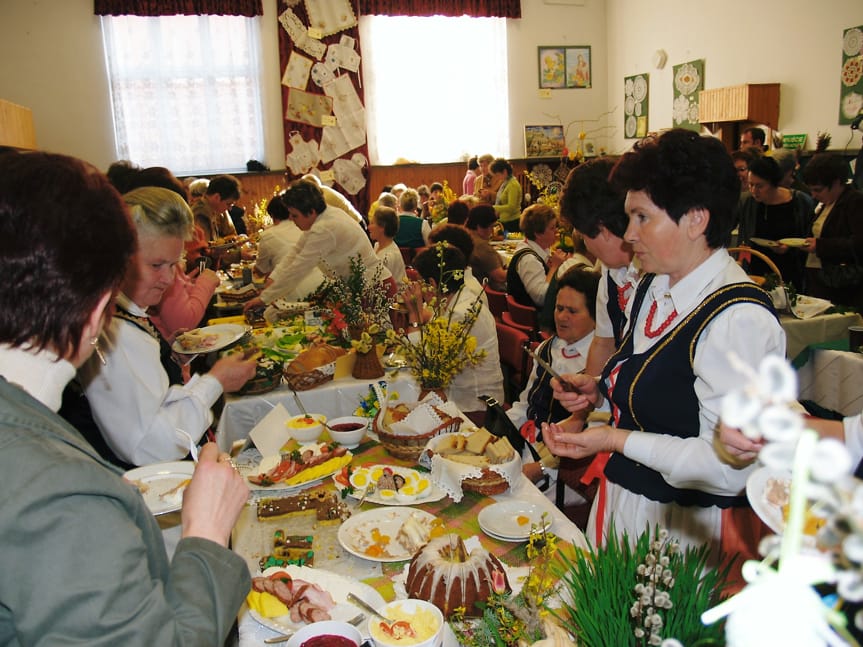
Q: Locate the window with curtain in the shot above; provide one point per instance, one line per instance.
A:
(436, 88)
(185, 91)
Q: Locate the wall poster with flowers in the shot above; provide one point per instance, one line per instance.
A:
(851, 88)
(688, 83)
(635, 105)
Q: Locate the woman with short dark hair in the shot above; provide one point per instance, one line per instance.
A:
(507, 200)
(677, 359)
(836, 238)
(83, 559)
(774, 213)
(533, 264)
(485, 262)
(383, 227)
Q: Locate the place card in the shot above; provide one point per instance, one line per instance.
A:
(271, 433)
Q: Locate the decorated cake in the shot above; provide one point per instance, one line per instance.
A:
(449, 577)
(325, 505)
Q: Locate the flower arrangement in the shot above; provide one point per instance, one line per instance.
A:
(781, 606)
(649, 593)
(258, 218)
(518, 619)
(358, 307)
(444, 347)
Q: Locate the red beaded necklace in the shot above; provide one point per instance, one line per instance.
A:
(622, 299)
(649, 323)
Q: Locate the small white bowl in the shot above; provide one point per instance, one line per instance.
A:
(326, 628)
(349, 439)
(303, 432)
(408, 608)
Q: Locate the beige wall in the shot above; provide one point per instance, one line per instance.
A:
(797, 43)
(53, 63)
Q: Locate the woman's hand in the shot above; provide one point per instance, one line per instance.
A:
(214, 499)
(252, 304)
(809, 246)
(580, 392)
(555, 260)
(592, 440)
(234, 370)
(735, 448)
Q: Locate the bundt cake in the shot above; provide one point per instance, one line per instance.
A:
(444, 574)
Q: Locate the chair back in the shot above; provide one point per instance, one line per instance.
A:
(523, 315)
(411, 273)
(496, 301)
(408, 254)
(507, 320)
(511, 343)
(744, 255)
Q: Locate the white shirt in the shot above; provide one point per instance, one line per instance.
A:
(854, 437)
(39, 374)
(275, 243)
(329, 244)
(136, 409)
(532, 272)
(621, 276)
(391, 257)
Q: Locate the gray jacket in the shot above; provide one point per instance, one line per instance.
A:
(83, 561)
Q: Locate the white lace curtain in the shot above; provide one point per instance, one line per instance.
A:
(436, 88)
(185, 91)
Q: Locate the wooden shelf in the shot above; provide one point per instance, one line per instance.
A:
(753, 102)
(16, 126)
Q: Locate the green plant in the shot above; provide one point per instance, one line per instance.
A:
(624, 594)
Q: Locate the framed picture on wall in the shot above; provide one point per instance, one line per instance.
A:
(552, 67)
(578, 67)
(544, 141)
(563, 67)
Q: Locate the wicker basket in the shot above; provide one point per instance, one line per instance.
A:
(410, 447)
(308, 380)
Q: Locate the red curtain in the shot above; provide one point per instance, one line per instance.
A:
(248, 8)
(308, 132)
(452, 8)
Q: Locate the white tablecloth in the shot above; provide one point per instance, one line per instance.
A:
(801, 333)
(833, 379)
(336, 398)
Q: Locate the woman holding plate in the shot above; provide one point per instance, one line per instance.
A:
(138, 400)
(83, 559)
(665, 383)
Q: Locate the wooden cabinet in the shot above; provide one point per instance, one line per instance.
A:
(16, 126)
(752, 102)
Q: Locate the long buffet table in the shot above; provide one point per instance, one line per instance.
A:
(253, 538)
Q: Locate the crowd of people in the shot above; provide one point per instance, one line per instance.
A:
(641, 318)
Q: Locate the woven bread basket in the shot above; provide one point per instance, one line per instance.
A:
(410, 447)
(307, 380)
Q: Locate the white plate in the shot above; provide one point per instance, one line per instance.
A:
(435, 493)
(764, 242)
(501, 519)
(247, 463)
(338, 586)
(793, 242)
(160, 478)
(756, 492)
(226, 335)
(355, 533)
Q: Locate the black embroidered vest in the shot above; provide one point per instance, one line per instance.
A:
(541, 405)
(514, 285)
(615, 314)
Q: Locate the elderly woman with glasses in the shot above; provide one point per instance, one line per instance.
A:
(83, 559)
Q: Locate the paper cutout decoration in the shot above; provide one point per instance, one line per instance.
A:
(297, 71)
(330, 16)
(346, 101)
(342, 55)
(300, 35)
(307, 108)
(303, 156)
(322, 74)
(349, 175)
(333, 144)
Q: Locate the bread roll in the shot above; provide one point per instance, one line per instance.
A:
(314, 357)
